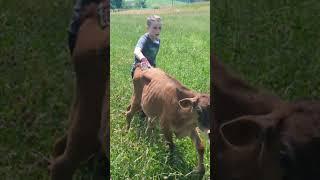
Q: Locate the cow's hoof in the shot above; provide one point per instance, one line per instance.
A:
(199, 171)
(127, 128)
(172, 147)
(149, 131)
(50, 164)
(195, 174)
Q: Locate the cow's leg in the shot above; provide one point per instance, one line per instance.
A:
(151, 125)
(133, 108)
(82, 141)
(83, 134)
(135, 99)
(168, 137)
(167, 133)
(61, 168)
(200, 149)
(59, 146)
(77, 150)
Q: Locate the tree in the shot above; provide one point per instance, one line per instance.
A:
(116, 4)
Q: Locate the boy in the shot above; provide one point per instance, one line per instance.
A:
(148, 45)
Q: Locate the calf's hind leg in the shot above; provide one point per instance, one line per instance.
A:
(151, 125)
(61, 143)
(135, 105)
(132, 109)
(83, 134)
(59, 146)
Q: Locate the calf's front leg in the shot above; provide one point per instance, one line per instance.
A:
(200, 149)
(167, 134)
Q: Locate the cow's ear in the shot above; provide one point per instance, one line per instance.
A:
(183, 93)
(187, 104)
(241, 133)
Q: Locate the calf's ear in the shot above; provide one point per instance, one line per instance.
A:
(242, 133)
(187, 104)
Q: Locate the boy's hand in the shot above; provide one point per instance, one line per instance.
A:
(143, 59)
(145, 64)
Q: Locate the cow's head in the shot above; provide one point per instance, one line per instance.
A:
(249, 148)
(263, 146)
(200, 106)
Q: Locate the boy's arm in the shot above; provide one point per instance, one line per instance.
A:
(138, 53)
(138, 49)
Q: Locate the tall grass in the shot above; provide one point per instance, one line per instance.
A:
(184, 54)
(36, 85)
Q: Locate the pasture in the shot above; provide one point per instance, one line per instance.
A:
(36, 86)
(274, 45)
(271, 44)
(184, 54)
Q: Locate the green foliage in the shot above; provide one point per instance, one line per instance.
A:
(116, 4)
(135, 4)
(153, 4)
(141, 3)
(274, 44)
(184, 54)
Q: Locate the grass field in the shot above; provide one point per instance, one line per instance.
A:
(36, 85)
(274, 44)
(184, 54)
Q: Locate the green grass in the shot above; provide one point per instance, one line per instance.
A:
(36, 85)
(184, 54)
(274, 44)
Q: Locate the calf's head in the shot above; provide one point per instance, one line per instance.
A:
(250, 148)
(199, 105)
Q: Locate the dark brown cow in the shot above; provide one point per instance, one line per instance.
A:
(179, 109)
(258, 136)
(89, 126)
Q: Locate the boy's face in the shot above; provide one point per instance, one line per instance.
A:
(154, 30)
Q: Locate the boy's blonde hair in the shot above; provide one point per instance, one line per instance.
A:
(153, 18)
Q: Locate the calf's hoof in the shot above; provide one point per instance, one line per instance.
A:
(127, 128)
(199, 171)
(57, 174)
(149, 131)
(171, 147)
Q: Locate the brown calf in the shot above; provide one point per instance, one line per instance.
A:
(258, 136)
(179, 109)
(89, 126)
